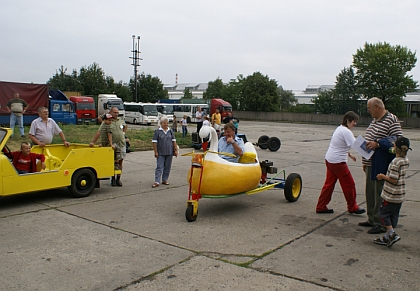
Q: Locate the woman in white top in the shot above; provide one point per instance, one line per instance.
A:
(337, 169)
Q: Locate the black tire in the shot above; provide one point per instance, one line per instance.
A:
(273, 144)
(189, 214)
(134, 121)
(262, 142)
(293, 187)
(83, 182)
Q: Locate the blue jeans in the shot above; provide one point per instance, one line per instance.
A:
(16, 119)
(184, 131)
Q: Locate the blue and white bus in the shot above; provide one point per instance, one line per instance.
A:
(141, 113)
(189, 110)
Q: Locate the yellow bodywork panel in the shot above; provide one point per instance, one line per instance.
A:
(61, 162)
(225, 179)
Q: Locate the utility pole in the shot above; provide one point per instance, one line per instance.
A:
(136, 61)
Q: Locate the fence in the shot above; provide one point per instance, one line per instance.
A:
(408, 122)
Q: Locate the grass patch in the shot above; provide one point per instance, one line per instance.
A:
(140, 138)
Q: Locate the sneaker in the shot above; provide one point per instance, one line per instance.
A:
(376, 229)
(22, 135)
(330, 210)
(393, 239)
(381, 241)
(358, 211)
(365, 223)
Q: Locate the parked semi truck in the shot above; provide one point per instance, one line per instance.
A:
(223, 106)
(106, 101)
(36, 95)
(85, 109)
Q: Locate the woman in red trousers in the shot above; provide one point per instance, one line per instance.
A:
(337, 169)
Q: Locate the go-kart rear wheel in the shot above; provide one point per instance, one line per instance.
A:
(83, 183)
(262, 142)
(273, 144)
(293, 187)
(189, 214)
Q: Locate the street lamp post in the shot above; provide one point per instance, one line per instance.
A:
(136, 61)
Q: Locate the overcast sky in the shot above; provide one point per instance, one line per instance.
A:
(297, 43)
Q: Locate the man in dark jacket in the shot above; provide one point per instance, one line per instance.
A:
(380, 134)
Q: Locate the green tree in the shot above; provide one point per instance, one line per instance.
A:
(121, 89)
(382, 72)
(149, 89)
(65, 82)
(324, 103)
(214, 89)
(302, 108)
(187, 94)
(93, 80)
(345, 93)
(287, 99)
(260, 93)
(232, 93)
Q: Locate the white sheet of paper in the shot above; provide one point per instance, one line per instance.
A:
(360, 146)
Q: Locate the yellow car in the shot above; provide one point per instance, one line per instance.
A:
(78, 167)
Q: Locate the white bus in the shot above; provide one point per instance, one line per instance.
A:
(189, 110)
(166, 109)
(141, 113)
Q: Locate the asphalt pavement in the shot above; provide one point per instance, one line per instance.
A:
(137, 238)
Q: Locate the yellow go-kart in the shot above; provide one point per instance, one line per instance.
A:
(211, 176)
(78, 167)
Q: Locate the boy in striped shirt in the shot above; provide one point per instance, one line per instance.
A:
(393, 192)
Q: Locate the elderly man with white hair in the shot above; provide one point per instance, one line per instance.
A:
(380, 134)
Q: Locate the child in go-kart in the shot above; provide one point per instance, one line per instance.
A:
(24, 161)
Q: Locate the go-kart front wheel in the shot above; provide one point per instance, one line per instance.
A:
(189, 214)
(293, 187)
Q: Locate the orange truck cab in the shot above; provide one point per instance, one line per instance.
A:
(85, 109)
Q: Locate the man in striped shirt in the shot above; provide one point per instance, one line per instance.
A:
(381, 133)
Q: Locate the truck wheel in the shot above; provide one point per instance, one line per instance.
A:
(82, 183)
(273, 144)
(134, 121)
(262, 142)
(293, 187)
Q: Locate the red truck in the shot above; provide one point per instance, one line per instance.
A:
(223, 106)
(85, 109)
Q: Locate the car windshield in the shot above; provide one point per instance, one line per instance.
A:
(168, 109)
(86, 106)
(2, 134)
(150, 110)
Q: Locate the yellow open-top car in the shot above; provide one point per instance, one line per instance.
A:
(78, 167)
